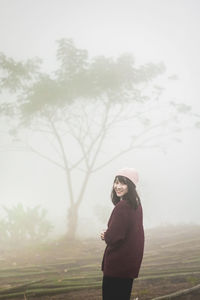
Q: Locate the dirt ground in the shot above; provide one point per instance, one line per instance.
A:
(142, 290)
(171, 263)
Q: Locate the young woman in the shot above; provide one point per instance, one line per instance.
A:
(124, 238)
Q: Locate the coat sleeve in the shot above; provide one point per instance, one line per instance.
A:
(118, 226)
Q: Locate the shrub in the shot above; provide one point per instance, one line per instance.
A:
(23, 226)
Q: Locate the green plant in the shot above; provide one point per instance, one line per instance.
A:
(23, 226)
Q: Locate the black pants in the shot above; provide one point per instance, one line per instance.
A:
(114, 288)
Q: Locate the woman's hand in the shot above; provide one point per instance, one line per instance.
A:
(102, 235)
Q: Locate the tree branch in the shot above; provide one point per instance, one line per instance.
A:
(66, 167)
(45, 157)
(101, 135)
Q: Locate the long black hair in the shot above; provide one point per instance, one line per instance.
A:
(131, 196)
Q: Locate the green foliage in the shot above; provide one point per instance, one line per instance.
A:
(14, 74)
(181, 107)
(43, 92)
(23, 226)
(192, 279)
(77, 77)
(72, 60)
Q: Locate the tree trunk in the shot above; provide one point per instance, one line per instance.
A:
(72, 221)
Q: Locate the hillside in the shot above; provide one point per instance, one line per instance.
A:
(66, 270)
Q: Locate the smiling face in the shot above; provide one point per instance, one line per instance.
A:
(120, 188)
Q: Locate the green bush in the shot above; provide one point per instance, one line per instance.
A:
(23, 226)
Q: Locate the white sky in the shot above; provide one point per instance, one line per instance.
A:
(153, 30)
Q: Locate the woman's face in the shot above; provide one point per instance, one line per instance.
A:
(120, 188)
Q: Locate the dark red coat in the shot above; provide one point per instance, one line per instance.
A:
(125, 242)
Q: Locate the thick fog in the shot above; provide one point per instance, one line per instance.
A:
(153, 31)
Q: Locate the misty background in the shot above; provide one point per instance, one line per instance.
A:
(153, 31)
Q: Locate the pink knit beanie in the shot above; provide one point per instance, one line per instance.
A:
(130, 173)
